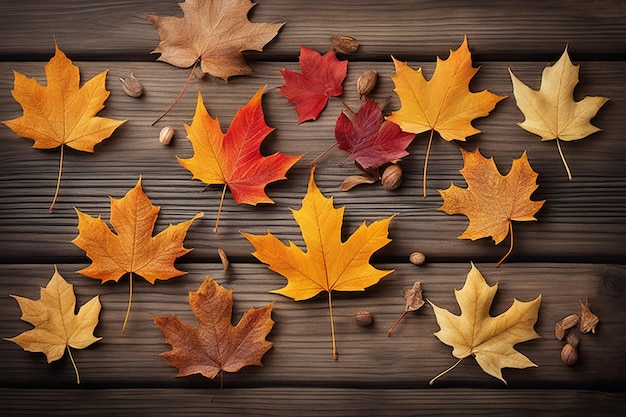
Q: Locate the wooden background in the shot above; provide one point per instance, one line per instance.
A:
(574, 251)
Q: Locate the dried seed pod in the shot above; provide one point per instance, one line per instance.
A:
(573, 340)
(223, 258)
(366, 83)
(569, 354)
(354, 180)
(417, 258)
(166, 135)
(364, 318)
(392, 177)
(131, 85)
(344, 44)
(588, 320)
(564, 324)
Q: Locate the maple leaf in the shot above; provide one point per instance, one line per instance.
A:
(133, 249)
(492, 201)
(234, 159)
(62, 113)
(328, 264)
(371, 140)
(444, 103)
(551, 112)
(57, 328)
(321, 77)
(215, 345)
(490, 340)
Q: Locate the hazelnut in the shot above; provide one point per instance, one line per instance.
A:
(166, 135)
(392, 177)
(344, 44)
(569, 355)
(364, 318)
(417, 258)
(366, 83)
(131, 85)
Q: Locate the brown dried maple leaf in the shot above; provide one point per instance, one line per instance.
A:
(492, 201)
(215, 345)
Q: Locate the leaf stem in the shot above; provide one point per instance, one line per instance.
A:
(395, 323)
(221, 386)
(430, 142)
(219, 209)
(130, 300)
(56, 192)
(69, 352)
(332, 326)
(193, 70)
(558, 145)
(320, 156)
(510, 247)
(444, 372)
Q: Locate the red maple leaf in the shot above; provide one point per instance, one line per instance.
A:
(321, 78)
(371, 140)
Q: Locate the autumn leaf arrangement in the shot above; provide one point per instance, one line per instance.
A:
(64, 114)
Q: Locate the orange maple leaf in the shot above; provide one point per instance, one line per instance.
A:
(133, 249)
(328, 264)
(492, 201)
(234, 159)
(62, 113)
(444, 103)
(215, 345)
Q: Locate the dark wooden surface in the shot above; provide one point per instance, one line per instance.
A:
(574, 251)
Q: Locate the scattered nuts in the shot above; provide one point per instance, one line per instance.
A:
(392, 177)
(364, 318)
(569, 355)
(344, 44)
(588, 320)
(565, 324)
(131, 86)
(417, 258)
(366, 83)
(166, 135)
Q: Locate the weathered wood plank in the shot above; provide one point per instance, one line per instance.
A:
(583, 220)
(406, 28)
(302, 354)
(311, 401)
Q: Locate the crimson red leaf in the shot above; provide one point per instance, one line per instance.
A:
(321, 78)
(371, 140)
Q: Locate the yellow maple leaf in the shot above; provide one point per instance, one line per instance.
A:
(133, 249)
(551, 111)
(490, 340)
(62, 113)
(492, 201)
(57, 328)
(328, 264)
(444, 103)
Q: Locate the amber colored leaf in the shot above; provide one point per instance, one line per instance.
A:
(214, 32)
(57, 328)
(328, 264)
(234, 159)
(132, 249)
(62, 113)
(371, 140)
(444, 103)
(492, 201)
(321, 77)
(214, 345)
(551, 112)
(489, 339)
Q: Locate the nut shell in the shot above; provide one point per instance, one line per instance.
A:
(364, 318)
(392, 177)
(131, 85)
(569, 355)
(344, 44)
(417, 258)
(366, 83)
(166, 135)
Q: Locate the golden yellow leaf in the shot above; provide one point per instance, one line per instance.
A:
(57, 328)
(444, 103)
(490, 340)
(328, 264)
(551, 111)
(62, 113)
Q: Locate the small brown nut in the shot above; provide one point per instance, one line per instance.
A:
(344, 44)
(131, 85)
(366, 83)
(569, 354)
(364, 318)
(417, 258)
(573, 340)
(392, 177)
(564, 324)
(166, 135)
(588, 320)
